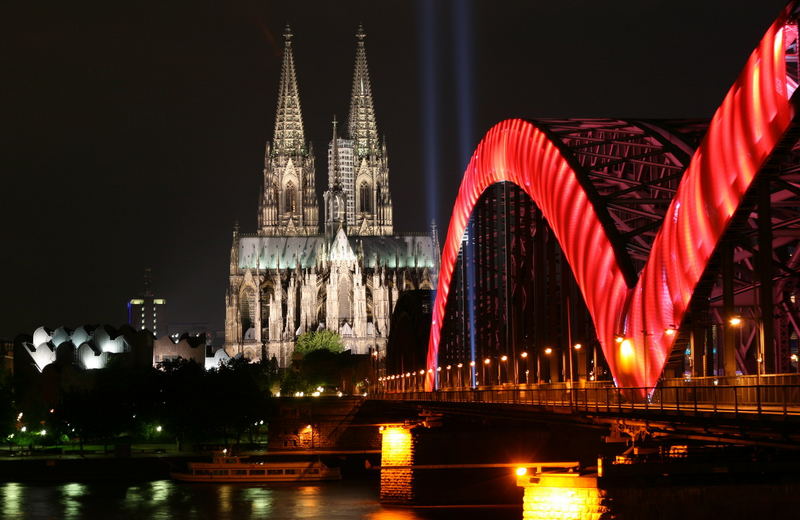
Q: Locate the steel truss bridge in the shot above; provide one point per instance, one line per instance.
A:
(617, 266)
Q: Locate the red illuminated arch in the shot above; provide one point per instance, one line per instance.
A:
(744, 131)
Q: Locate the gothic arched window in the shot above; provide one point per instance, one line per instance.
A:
(365, 197)
(291, 198)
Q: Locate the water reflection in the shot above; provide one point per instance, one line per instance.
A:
(164, 499)
(12, 494)
(70, 498)
(260, 501)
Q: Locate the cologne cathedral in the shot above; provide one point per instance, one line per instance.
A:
(296, 274)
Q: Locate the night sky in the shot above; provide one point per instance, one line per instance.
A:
(133, 135)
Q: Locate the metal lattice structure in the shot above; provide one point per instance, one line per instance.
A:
(654, 230)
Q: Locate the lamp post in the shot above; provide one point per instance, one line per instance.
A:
(524, 356)
(503, 360)
(547, 352)
(460, 375)
(736, 321)
(486, 363)
(471, 372)
(577, 347)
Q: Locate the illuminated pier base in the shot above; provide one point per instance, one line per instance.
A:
(397, 449)
(562, 496)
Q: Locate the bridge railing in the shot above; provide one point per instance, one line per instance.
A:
(769, 399)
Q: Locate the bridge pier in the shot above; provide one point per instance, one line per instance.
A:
(562, 496)
(397, 449)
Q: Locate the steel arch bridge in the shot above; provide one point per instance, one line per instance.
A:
(668, 228)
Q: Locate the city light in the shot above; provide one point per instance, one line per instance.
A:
(548, 351)
(158, 429)
(487, 361)
(521, 471)
(626, 349)
(619, 338)
(670, 331)
(523, 355)
(504, 358)
(577, 346)
(735, 321)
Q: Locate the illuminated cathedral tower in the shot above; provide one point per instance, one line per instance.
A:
(291, 277)
(360, 163)
(288, 200)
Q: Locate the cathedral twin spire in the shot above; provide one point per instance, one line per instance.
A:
(289, 134)
(358, 171)
(363, 128)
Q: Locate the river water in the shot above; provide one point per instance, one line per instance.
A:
(165, 499)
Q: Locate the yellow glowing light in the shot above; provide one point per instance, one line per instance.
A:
(548, 351)
(521, 471)
(670, 331)
(460, 365)
(472, 363)
(449, 367)
(396, 450)
(626, 349)
(562, 503)
(487, 361)
(619, 338)
(523, 355)
(504, 358)
(735, 321)
(421, 372)
(577, 346)
(793, 357)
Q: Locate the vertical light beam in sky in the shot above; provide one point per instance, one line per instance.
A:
(461, 16)
(429, 80)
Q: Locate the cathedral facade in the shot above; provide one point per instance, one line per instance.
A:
(296, 274)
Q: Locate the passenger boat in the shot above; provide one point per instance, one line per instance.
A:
(227, 468)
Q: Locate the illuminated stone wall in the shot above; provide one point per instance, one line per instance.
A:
(563, 497)
(397, 449)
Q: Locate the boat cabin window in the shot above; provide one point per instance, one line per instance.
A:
(274, 472)
(256, 471)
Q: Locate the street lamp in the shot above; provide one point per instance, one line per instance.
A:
(577, 347)
(547, 352)
(524, 356)
(503, 360)
(486, 363)
(736, 321)
(471, 372)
